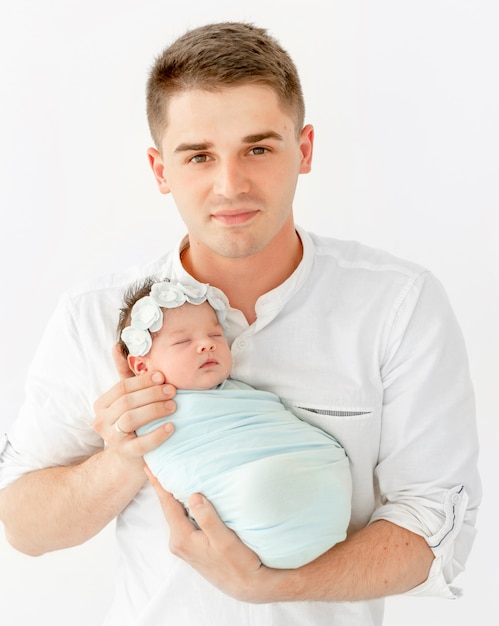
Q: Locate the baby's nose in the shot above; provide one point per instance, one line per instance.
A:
(206, 346)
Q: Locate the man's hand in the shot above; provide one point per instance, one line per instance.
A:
(59, 507)
(133, 402)
(214, 551)
(379, 560)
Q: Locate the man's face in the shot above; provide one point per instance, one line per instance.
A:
(231, 159)
(190, 349)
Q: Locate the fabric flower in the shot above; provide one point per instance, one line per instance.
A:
(218, 300)
(168, 295)
(195, 294)
(137, 341)
(146, 315)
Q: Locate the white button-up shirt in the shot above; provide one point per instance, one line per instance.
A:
(358, 342)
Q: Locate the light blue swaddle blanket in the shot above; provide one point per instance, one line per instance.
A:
(281, 484)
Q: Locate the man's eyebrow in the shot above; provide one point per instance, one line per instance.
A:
(256, 138)
(193, 147)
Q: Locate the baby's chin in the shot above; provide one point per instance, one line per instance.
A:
(206, 383)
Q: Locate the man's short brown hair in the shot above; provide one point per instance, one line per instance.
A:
(221, 55)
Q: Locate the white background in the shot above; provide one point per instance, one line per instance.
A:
(404, 97)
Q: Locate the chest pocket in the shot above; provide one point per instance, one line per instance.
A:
(333, 412)
(358, 430)
(350, 424)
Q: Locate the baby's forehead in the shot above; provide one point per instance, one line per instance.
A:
(189, 315)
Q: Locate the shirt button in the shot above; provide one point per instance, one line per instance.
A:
(242, 344)
(456, 498)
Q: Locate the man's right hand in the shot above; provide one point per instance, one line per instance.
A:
(131, 403)
(58, 507)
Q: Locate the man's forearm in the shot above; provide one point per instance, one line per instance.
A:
(60, 507)
(380, 560)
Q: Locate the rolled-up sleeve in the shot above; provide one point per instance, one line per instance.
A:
(427, 471)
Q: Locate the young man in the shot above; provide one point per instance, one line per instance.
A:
(355, 341)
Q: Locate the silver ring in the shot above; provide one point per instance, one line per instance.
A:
(118, 429)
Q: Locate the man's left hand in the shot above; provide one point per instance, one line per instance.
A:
(214, 550)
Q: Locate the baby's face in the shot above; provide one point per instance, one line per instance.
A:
(190, 348)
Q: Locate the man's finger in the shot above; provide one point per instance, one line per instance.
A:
(172, 508)
(175, 515)
(207, 518)
(130, 385)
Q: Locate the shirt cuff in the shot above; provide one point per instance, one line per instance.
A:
(10, 469)
(435, 585)
(441, 538)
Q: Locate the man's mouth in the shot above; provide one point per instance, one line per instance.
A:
(234, 218)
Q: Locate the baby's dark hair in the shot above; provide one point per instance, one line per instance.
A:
(134, 293)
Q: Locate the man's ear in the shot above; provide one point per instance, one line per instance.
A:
(306, 148)
(158, 168)
(137, 364)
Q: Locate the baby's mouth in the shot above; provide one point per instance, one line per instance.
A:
(210, 362)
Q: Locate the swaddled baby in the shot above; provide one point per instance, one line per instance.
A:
(281, 484)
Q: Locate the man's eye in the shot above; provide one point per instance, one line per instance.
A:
(257, 150)
(199, 158)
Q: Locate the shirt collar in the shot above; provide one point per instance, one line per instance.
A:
(270, 303)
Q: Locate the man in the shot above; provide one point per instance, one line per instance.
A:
(353, 340)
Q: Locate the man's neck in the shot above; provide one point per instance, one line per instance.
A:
(244, 280)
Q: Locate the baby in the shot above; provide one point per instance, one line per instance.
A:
(281, 484)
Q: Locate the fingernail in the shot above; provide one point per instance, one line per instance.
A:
(196, 500)
(168, 427)
(157, 378)
(169, 390)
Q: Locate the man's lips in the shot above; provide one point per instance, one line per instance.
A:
(234, 218)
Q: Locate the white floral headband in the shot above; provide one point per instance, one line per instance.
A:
(147, 314)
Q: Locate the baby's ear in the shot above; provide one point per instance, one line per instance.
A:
(137, 364)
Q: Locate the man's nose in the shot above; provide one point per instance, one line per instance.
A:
(230, 179)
